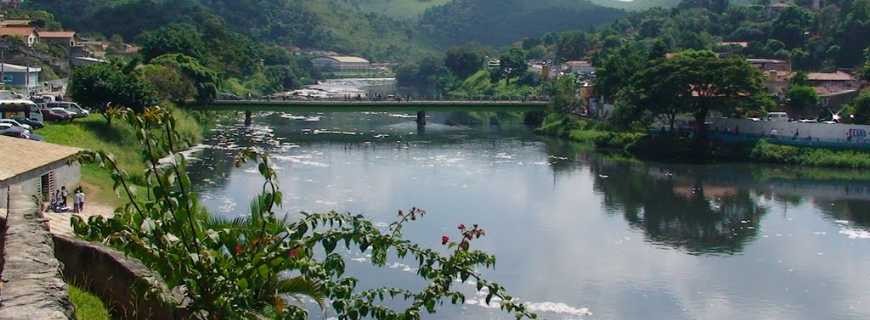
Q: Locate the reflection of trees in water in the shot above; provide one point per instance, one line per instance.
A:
(857, 212)
(217, 162)
(682, 212)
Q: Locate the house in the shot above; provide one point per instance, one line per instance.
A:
(65, 39)
(20, 77)
(42, 168)
(833, 81)
(25, 34)
(777, 82)
(341, 63)
(15, 23)
(770, 64)
(578, 66)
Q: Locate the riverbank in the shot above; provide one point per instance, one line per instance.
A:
(682, 149)
(119, 139)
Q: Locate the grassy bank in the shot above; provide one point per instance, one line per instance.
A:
(88, 306)
(681, 149)
(93, 133)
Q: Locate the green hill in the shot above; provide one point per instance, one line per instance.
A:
(498, 22)
(405, 9)
(636, 5)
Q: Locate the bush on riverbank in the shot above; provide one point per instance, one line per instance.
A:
(587, 131)
(764, 151)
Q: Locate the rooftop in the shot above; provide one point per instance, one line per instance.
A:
(766, 61)
(56, 34)
(5, 67)
(30, 155)
(16, 31)
(348, 59)
(830, 76)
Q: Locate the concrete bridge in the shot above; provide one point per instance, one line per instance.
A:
(418, 106)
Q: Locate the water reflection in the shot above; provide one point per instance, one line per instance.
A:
(680, 210)
(716, 242)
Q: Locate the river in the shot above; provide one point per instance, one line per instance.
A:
(578, 234)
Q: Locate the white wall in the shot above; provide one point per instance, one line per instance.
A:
(849, 135)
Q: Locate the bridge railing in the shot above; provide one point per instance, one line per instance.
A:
(398, 98)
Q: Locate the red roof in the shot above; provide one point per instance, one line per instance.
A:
(57, 34)
(830, 76)
(16, 31)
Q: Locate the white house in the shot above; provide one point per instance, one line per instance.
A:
(341, 63)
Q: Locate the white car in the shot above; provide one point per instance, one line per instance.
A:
(16, 124)
(63, 111)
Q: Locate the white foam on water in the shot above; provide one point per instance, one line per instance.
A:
(536, 307)
(301, 159)
(855, 233)
(843, 222)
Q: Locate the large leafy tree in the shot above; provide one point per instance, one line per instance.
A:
(205, 80)
(512, 65)
(791, 25)
(463, 61)
(802, 101)
(859, 109)
(175, 38)
(696, 83)
(101, 86)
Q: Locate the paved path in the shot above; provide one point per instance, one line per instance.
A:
(32, 286)
(59, 223)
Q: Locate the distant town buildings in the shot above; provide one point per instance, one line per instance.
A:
(65, 39)
(25, 34)
(20, 77)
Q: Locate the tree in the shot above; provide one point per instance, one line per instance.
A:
(101, 86)
(791, 25)
(859, 109)
(617, 67)
(175, 38)
(866, 69)
(697, 82)
(463, 61)
(513, 64)
(205, 80)
(802, 101)
(168, 83)
(572, 46)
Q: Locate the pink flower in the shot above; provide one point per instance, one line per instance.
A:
(238, 249)
(444, 239)
(461, 227)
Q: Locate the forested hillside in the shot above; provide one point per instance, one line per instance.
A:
(322, 24)
(498, 22)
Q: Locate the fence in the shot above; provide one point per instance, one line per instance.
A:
(823, 135)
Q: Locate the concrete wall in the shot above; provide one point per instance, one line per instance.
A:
(129, 289)
(841, 135)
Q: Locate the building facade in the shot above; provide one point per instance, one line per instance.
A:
(20, 77)
(37, 168)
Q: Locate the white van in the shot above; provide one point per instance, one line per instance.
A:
(777, 116)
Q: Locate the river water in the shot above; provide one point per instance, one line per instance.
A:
(578, 234)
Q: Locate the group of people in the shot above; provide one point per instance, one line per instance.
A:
(59, 200)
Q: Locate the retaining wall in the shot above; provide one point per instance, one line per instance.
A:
(128, 288)
(796, 133)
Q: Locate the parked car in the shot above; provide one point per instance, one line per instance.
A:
(72, 107)
(55, 114)
(32, 121)
(15, 123)
(9, 130)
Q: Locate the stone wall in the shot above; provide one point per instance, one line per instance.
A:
(129, 289)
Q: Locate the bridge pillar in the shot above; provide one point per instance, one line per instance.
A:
(248, 118)
(421, 118)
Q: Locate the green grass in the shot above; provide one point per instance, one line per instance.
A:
(92, 133)
(764, 151)
(88, 306)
